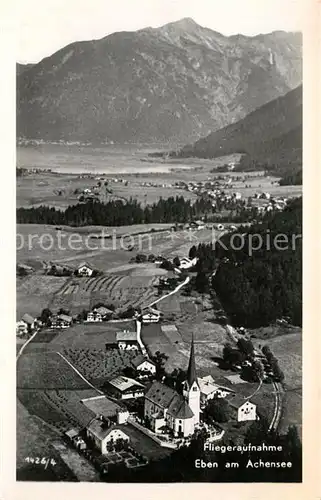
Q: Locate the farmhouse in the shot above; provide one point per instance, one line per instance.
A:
(84, 269)
(125, 388)
(144, 365)
(103, 432)
(164, 407)
(151, 316)
(25, 325)
(246, 410)
(209, 389)
(127, 340)
(61, 321)
(94, 317)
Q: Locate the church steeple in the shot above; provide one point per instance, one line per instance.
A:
(191, 370)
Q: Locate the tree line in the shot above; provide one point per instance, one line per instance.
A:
(115, 213)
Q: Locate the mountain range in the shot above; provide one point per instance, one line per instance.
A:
(269, 137)
(173, 84)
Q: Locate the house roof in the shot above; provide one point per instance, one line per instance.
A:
(72, 433)
(84, 264)
(103, 310)
(207, 385)
(101, 405)
(65, 317)
(121, 336)
(166, 397)
(140, 359)
(101, 429)
(122, 383)
(27, 318)
(236, 401)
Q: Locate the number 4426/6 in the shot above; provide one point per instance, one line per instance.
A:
(44, 461)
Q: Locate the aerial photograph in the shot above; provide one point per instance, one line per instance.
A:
(159, 242)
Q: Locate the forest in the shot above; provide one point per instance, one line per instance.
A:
(126, 213)
(256, 286)
(116, 213)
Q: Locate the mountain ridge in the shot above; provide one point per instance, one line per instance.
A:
(175, 83)
(270, 137)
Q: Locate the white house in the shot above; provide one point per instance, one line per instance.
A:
(94, 317)
(151, 316)
(144, 365)
(25, 325)
(165, 407)
(246, 410)
(103, 432)
(84, 269)
(209, 389)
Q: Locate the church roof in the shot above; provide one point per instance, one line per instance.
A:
(191, 370)
(168, 398)
(179, 408)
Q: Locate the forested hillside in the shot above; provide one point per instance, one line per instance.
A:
(270, 138)
(257, 287)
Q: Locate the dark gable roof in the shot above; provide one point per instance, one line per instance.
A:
(179, 408)
(101, 429)
(166, 397)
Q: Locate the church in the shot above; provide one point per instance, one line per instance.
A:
(166, 407)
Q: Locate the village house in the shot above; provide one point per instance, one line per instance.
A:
(60, 321)
(151, 316)
(246, 410)
(84, 269)
(127, 340)
(144, 365)
(102, 432)
(99, 314)
(209, 389)
(25, 325)
(166, 408)
(123, 387)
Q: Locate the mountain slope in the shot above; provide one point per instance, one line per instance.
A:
(270, 136)
(174, 83)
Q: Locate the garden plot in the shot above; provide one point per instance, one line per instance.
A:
(171, 333)
(99, 365)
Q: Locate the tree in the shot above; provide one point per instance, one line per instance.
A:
(201, 282)
(159, 359)
(45, 316)
(176, 261)
(227, 351)
(277, 372)
(245, 346)
(192, 252)
(218, 410)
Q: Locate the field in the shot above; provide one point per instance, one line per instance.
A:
(122, 283)
(129, 164)
(48, 371)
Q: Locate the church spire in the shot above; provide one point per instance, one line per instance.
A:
(191, 370)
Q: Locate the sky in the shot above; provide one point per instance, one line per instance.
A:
(45, 26)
